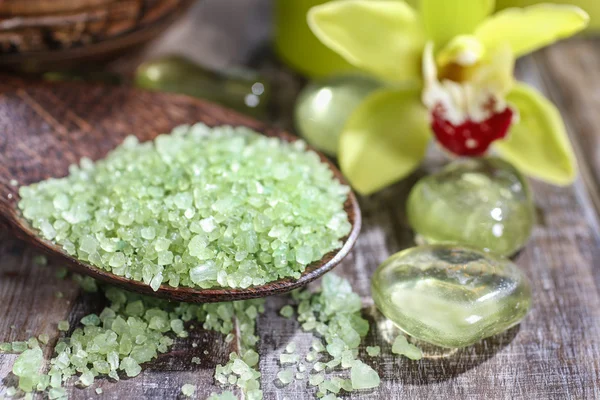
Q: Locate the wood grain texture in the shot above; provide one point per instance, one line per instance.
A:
(553, 354)
(37, 34)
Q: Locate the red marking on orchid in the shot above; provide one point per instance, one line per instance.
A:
(471, 139)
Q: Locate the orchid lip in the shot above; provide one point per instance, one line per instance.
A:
(470, 138)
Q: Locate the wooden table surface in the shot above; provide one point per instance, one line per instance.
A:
(553, 354)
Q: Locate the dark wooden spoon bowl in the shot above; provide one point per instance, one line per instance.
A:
(45, 127)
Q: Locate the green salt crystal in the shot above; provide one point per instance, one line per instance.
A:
(27, 366)
(333, 363)
(329, 396)
(99, 391)
(317, 345)
(188, 390)
(90, 320)
(117, 260)
(251, 358)
(287, 311)
(483, 203)
(450, 296)
(222, 396)
(285, 376)
(86, 379)
(43, 338)
(319, 366)
(196, 360)
(130, 366)
(135, 308)
(373, 351)
(177, 326)
(6, 347)
(403, 348)
(57, 393)
(288, 358)
(336, 347)
(11, 391)
(330, 386)
(59, 295)
(63, 326)
(363, 376)
(316, 379)
(290, 348)
(32, 343)
(19, 347)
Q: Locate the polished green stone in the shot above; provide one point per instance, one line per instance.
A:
(483, 203)
(450, 296)
(323, 107)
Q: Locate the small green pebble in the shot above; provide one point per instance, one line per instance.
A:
(63, 326)
(188, 390)
(409, 350)
(287, 311)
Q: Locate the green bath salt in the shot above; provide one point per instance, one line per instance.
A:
(200, 207)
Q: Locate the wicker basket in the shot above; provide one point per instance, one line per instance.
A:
(39, 34)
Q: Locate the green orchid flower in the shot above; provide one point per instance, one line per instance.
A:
(449, 69)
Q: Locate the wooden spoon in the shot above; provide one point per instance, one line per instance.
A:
(45, 127)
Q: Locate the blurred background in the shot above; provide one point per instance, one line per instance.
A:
(216, 49)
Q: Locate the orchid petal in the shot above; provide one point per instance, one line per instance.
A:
(444, 19)
(385, 38)
(384, 140)
(528, 29)
(538, 143)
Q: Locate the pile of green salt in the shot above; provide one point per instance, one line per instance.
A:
(200, 207)
(130, 331)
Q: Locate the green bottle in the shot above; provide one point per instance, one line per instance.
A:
(241, 90)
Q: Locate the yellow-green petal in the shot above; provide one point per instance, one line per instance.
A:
(444, 19)
(385, 38)
(528, 29)
(384, 140)
(538, 143)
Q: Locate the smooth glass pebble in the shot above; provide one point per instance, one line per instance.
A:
(483, 203)
(450, 296)
(323, 107)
